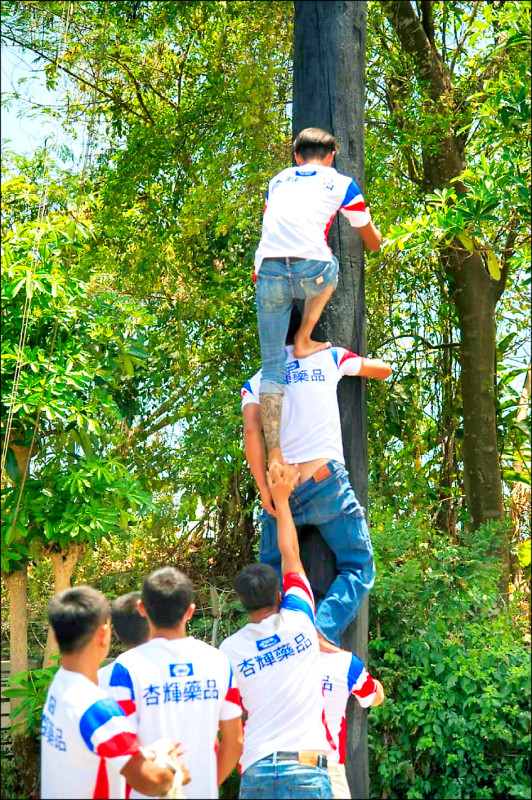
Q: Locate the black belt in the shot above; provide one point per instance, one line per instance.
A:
(285, 258)
(310, 759)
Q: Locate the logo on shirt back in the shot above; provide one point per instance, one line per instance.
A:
(181, 670)
(264, 644)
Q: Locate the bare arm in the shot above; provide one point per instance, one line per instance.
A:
(374, 368)
(255, 454)
(379, 695)
(281, 484)
(147, 777)
(371, 236)
(230, 748)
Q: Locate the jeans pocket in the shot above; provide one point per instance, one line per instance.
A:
(316, 282)
(270, 292)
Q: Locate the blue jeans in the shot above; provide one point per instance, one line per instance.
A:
(279, 283)
(331, 505)
(271, 779)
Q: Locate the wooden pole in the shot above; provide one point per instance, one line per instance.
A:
(329, 59)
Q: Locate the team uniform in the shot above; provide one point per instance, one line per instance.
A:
(104, 676)
(277, 669)
(310, 429)
(343, 674)
(86, 741)
(178, 689)
(310, 420)
(300, 206)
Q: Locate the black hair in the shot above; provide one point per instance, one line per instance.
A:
(257, 586)
(128, 623)
(75, 614)
(294, 325)
(315, 143)
(166, 594)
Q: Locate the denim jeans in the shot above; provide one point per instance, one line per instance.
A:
(330, 505)
(269, 778)
(279, 283)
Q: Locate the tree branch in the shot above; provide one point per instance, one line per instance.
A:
(427, 17)
(414, 41)
(508, 253)
(463, 38)
(72, 74)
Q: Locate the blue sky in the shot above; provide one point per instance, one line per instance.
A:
(25, 131)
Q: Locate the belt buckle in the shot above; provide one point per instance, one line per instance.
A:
(321, 473)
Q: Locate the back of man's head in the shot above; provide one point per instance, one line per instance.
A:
(257, 586)
(129, 625)
(315, 143)
(75, 614)
(166, 595)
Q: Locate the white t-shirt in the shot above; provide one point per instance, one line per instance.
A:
(343, 674)
(300, 206)
(104, 675)
(310, 421)
(178, 689)
(86, 740)
(278, 672)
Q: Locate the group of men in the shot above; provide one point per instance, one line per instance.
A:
(167, 717)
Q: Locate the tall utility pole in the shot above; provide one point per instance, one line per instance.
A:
(329, 58)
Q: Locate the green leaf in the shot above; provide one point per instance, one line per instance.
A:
(494, 268)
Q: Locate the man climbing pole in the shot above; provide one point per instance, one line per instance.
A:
(293, 261)
(311, 438)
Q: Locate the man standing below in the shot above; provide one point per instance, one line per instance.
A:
(129, 626)
(87, 742)
(175, 684)
(311, 437)
(277, 666)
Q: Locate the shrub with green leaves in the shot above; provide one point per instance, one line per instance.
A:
(456, 720)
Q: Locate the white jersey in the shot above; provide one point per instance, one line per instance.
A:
(86, 740)
(343, 674)
(310, 421)
(178, 689)
(301, 204)
(277, 668)
(104, 676)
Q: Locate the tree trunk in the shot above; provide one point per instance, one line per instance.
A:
(63, 563)
(475, 293)
(17, 586)
(329, 60)
(475, 305)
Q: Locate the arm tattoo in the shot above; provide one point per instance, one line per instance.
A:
(271, 405)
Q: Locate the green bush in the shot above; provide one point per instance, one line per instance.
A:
(453, 662)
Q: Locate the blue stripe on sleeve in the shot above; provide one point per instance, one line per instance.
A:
(334, 352)
(97, 715)
(293, 603)
(355, 668)
(120, 677)
(247, 387)
(352, 191)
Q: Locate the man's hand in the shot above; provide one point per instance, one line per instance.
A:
(281, 483)
(267, 501)
(379, 695)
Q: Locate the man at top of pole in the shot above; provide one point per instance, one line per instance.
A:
(294, 261)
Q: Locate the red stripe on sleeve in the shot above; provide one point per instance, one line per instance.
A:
(360, 206)
(367, 688)
(101, 787)
(127, 706)
(233, 696)
(327, 731)
(346, 355)
(293, 579)
(123, 744)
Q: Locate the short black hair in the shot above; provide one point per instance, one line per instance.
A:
(315, 143)
(75, 614)
(257, 586)
(166, 594)
(128, 623)
(295, 324)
